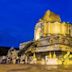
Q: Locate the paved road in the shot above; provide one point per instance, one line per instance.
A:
(34, 68)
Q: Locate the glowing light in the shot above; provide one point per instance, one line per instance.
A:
(52, 61)
(38, 34)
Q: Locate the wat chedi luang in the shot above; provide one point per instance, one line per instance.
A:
(52, 44)
(51, 24)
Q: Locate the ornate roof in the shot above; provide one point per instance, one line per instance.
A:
(51, 17)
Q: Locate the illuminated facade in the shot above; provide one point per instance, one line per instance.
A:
(51, 24)
(52, 42)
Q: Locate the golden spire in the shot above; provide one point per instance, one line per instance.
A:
(54, 55)
(51, 17)
(50, 55)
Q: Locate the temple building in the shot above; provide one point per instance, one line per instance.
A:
(52, 42)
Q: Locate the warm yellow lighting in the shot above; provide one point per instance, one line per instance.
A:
(38, 34)
(63, 28)
(66, 55)
(50, 56)
(52, 61)
(54, 55)
(56, 28)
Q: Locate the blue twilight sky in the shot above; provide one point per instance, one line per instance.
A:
(18, 18)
